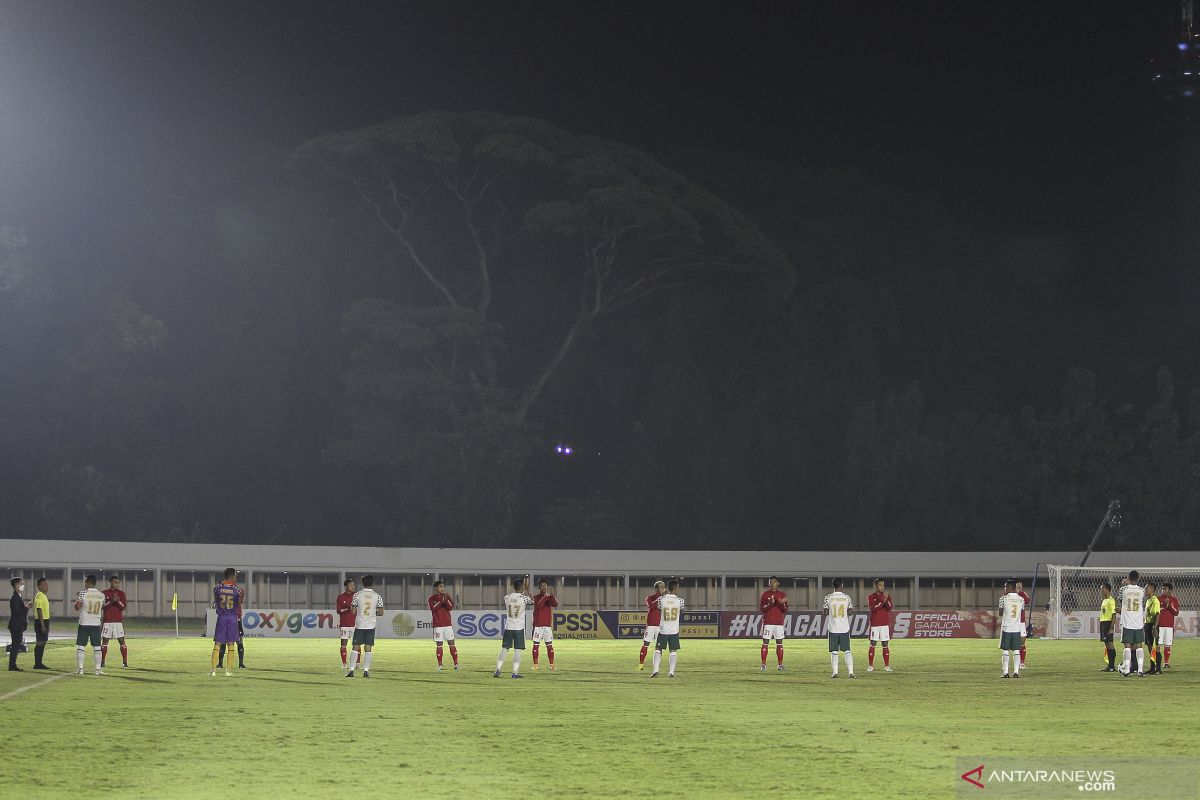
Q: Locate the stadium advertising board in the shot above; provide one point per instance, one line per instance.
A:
(298, 623)
(693, 624)
(585, 624)
(930, 624)
(1086, 625)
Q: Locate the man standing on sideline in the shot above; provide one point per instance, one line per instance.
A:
(90, 605)
(880, 605)
(41, 623)
(1108, 609)
(18, 621)
(345, 611)
(113, 626)
(544, 604)
(1152, 606)
(1169, 609)
(440, 606)
(653, 621)
(773, 604)
(837, 625)
(1028, 608)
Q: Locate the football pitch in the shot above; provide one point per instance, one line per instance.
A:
(292, 726)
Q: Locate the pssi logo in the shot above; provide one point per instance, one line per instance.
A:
(575, 621)
(485, 624)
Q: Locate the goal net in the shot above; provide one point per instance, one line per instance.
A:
(1074, 609)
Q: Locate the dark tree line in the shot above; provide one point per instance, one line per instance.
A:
(382, 340)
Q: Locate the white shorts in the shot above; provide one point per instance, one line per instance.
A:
(544, 634)
(650, 635)
(443, 634)
(112, 630)
(880, 633)
(1166, 636)
(347, 633)
(773, 632)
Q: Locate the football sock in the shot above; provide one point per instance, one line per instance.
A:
(103, 654)
(367, 660)
(1126, 658)
(1004, 661)
(1016, 664)
(1166, 655)
(1022, 655)
(657, 659)
(834, 660)
(1158, 659)
(764, 652)
(849, 662)
(353, 659)
(871, 656)
(516, 662)
(779, 654)
(241, 653)
(550, 654)
(439, 655)
(343, 654)
(124, 654)
(221, 656)
(500, 659)
(79, 657)
(454, 654)
(671, 661)
(642, 657)
(96, 657)
(887, 656)
(216, 654)
(1137, 654)
(535, 653)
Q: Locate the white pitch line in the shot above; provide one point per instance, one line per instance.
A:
(16, 692)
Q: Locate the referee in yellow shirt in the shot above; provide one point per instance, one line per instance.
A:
(41, 623)
(1108, 608)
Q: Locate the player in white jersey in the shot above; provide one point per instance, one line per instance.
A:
(1012, 628)
(670, 605)
(837, 607)
(90, 604)
(1132, 604)
(516, 603)
(368, 606)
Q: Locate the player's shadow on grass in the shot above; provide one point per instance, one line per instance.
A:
(124, 676)
(288, 680)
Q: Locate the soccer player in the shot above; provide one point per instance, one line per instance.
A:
(90, 604)
(113, 626)
(440, 605)
(1024, 627)
(880, 603)
(241, 649)
(1011, 611)
(671, 606)
(516, 603)
(1166, 622)
(774, 604)
(345, 610)
(369, 607)
(1153, 606)
(1108, 608)
(653, 618)
(41, 623)
(837, 607)
(1133, 635)
(544, 604)
(227, 600)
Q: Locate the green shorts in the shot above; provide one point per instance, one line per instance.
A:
(364, 636)
(839, 642)
(88, 633)
(667, 641)
(1010, 640)
(514, 639)
(1133, 636)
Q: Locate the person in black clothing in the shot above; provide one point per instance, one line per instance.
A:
(18, 621)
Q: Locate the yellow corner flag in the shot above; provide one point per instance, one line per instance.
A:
(175, 601)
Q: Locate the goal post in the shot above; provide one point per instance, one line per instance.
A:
(1074, 607)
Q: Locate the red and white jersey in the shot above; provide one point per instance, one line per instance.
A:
(879, 604)
(440, 605)
(1028, 600)
(1168, 611)
(543, 610)
(773, 604)
(345, 609)
(653, 612)
(114, 605)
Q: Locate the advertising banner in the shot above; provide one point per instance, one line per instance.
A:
(1086, 625)
(293, 623)
(931, 624)
(692, 625)
(585, 624)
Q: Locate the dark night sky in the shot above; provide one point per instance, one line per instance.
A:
(1032, 117)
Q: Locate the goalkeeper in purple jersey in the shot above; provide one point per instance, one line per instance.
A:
(227, 600)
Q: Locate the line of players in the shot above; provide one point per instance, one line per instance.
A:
(1147, 618)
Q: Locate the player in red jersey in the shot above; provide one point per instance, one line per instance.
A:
(440, 606)
(1168, 610)
(1024, 627)
(544, 603)
(653, 618)
(346, 616)
(773, 604)
(880, 604)
(113, 622)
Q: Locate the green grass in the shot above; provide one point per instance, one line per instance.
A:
(292, 726)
